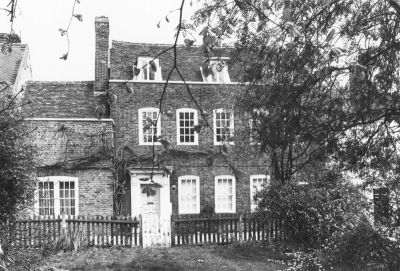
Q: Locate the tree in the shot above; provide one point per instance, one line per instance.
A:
(16, 157)
(324, 79)
(17, 163)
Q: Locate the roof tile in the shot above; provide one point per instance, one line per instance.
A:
(9, 63)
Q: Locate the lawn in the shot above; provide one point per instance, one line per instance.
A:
(175, 258)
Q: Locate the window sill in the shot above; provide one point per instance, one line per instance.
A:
(216, 143)
(187, 144)
(225, 211)
(149, 144)
(188, 213)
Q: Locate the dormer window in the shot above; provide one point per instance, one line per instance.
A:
(215, 70)
(147, 69)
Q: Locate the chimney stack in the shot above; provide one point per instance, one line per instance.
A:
(102, 29)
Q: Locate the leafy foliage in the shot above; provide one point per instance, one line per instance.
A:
(313, 207)
(363, 246)
(16, 160)
(69, 240)
(324, 74)
(305, 262)
(16, 165)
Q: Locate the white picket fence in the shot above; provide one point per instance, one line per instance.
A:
(156, 231)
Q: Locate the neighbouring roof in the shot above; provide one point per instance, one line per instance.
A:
(59, 99)
(123, 55)
(9, 63)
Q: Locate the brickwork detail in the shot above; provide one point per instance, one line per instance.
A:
(123, 55)
(80, 149)
(95, 189)
(67, 143)
(61, 100)
(189, 160)
(101, 53)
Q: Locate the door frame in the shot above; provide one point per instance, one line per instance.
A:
(158, 176)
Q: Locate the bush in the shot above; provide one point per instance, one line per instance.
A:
(363, 246)
(313, 208)
(306, 262)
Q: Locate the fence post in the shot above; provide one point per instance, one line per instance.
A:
(63, 226)
(141, 230)
(240, 228)
(172, 231)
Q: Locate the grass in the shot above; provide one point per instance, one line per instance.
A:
(173, 259)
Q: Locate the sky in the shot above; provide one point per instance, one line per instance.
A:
(38, 21)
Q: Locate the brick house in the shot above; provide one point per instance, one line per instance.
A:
(83, 129)
(196, 184)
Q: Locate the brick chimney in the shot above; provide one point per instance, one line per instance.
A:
(102, 29)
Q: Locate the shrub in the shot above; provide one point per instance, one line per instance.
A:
(305, 262)
(362, 246)
(313, 208)
(70, 240)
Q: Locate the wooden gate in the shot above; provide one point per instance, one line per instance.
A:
(155, 231)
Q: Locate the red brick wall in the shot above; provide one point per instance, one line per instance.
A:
(61, 99)
(193, 160)
(62, 147)
(66, 142)
(95, 189)
(124, 54)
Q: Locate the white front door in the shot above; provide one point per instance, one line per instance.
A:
(151, 201)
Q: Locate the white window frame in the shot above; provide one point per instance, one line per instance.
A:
(217, 76)
(140, 120)
(56, 181)
(231, 128)
(253, 190)
(181, 210)
(195, 121)
(140, 76)
(218, 209)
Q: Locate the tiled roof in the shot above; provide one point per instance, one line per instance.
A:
(124, 54)
(9, 63)
(60, 99)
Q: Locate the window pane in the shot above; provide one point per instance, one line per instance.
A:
(188, 198)
(225, 195)
(223, 126)
(186, 124)
(149, 135)
(67, 197)
(46, 198)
